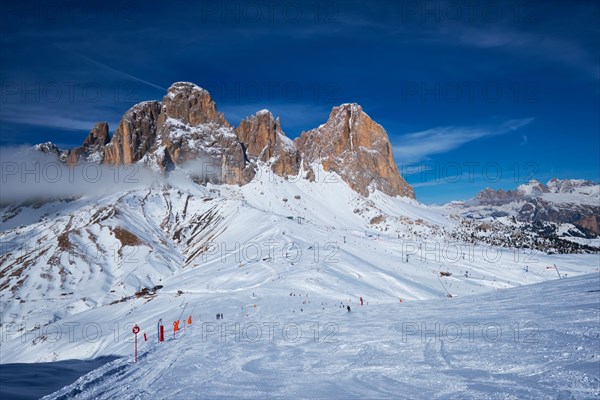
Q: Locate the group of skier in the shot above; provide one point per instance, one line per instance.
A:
(348, 306)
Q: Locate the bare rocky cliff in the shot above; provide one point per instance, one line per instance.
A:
(264, 140)
(135, 136)
(185, 126)
(351, 144)
(92, 149)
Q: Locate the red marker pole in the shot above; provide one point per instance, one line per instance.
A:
(135, 330)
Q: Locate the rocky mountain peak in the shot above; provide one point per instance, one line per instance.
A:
(136, 134)
(260, 133)
(556, 185)
(533, 188)
(351, 144)
(98, 136)
(190, 104)
(47, 148)
(184, 87)
(264, 140)
(536, 203)
(489, 196)
(185, 125)
(352, 123)
(92, 148)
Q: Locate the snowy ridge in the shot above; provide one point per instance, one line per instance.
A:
(177, 86)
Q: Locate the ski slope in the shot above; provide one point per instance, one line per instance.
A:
(531, 342)
(73, 295)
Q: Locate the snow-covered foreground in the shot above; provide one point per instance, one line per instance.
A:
(74, 284)
(535, 341)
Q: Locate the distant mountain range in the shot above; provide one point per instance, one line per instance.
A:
(563, 213)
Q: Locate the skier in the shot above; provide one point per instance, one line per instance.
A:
(361, 301)
(222, 316)
(218, 316)
(348, 308)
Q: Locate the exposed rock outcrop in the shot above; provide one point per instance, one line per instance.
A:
(264, 140)
(92, 149)
(135, 136)
(589, 223)
(47, 148)
(351, 144)
(491, 197)
(186, 127)
(190, 104)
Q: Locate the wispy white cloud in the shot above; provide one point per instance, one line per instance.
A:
(416, 146)
(430, 183)
(46, 117)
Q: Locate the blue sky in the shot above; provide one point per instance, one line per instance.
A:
(472, 94)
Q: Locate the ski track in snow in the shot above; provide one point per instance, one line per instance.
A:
(556, 353)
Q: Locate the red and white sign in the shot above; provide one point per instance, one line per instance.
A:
(136, 329)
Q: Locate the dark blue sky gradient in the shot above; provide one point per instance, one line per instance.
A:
(471, 95)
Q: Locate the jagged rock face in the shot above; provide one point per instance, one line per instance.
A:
(218, 154)
(589, 223)
(98, 136)
(135, 136)
(264, 140)
(51, 148)
(92, 149)
(358, 149)
(492, 197)
(190, 128)
(532, 188)
(185, 126)
(190, 104)
(47, 148)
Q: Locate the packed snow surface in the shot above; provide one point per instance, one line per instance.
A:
(534, 342)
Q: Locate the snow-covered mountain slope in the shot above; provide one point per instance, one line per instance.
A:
(137, 255)
(539, 341)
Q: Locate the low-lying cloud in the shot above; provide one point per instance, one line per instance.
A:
(30, 175)
(416, 146)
